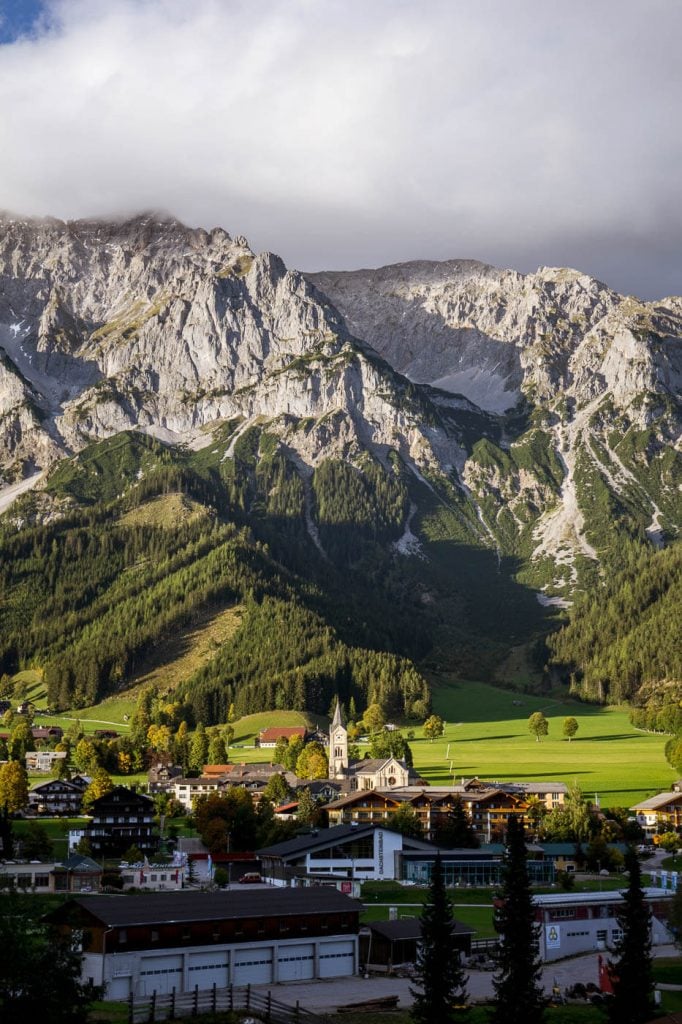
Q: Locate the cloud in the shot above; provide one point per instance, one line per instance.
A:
(341, 133)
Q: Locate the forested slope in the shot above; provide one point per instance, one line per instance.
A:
(627, 632)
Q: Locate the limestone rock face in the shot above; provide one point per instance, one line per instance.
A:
(493, 334)
(507, 392)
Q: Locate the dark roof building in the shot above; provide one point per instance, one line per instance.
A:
(121, 819)
(159, 942)
(390, 944)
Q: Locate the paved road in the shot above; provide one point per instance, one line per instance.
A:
(328, 995)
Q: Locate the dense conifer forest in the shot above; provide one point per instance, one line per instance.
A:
(625, 633)
(101, 571)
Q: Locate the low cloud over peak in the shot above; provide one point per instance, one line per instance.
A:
(343, 134)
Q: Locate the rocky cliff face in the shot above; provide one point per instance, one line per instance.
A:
(601, 372)
(569, 390)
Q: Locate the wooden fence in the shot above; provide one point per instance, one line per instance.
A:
(170, 1006)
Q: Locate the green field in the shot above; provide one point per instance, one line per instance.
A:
(487, 736)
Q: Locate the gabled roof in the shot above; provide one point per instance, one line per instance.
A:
(372, 765)
(338, 834)
(654, 803)
(276, 732)
(169, 908)
(121, 794)
(80, 863)
(59, 783)
(365, 794)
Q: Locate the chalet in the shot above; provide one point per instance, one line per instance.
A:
(347, 851)
(57, 796)
(660, 812)
(574, 923)
(121, 819)
(159, 942)
(47, 733)
(488, 805)
(269, 737)
(162, 775)
(106, 734)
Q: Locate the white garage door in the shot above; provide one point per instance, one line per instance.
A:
(118, 988)
(296, 963)
(337, 959)
(208, 969)
(253, 966)
(160, 974)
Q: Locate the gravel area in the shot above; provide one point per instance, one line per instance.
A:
(326, 996)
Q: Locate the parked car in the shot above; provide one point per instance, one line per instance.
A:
(250, 878)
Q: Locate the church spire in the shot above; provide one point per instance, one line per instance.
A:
(337, 720)
(338, 745)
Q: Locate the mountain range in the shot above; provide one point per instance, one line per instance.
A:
(491, 436)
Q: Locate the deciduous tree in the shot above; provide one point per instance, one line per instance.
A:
(434, 726)
(13, 787)
(40, 972)
(570, 728)
(406, 821)
(538, 725)
(101, 784)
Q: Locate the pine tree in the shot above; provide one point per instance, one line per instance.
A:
(440, 976)
(517, 982)
(455, 830)
(633, 983)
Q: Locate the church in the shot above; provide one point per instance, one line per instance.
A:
(370, 773)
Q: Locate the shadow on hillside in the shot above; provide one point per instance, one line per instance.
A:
(482, 739)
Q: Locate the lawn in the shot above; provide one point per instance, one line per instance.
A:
(56, 828)
(487, 735)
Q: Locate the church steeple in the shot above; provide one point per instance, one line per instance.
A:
(338, 745)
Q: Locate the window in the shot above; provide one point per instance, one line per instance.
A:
(154, 935)
(122, 936)
(602, 935)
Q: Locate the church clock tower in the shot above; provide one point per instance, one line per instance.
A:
(338, 746)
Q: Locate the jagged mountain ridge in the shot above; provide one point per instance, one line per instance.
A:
(599, 369)
(150, 325)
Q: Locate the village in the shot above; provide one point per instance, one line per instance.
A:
(207, 918)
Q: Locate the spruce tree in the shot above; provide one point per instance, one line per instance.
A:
(517, 982)
(439, 974)
(633, 982)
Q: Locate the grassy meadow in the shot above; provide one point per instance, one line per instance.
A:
(486, 732)
(487, 736)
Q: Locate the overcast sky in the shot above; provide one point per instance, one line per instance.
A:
(348, 133)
